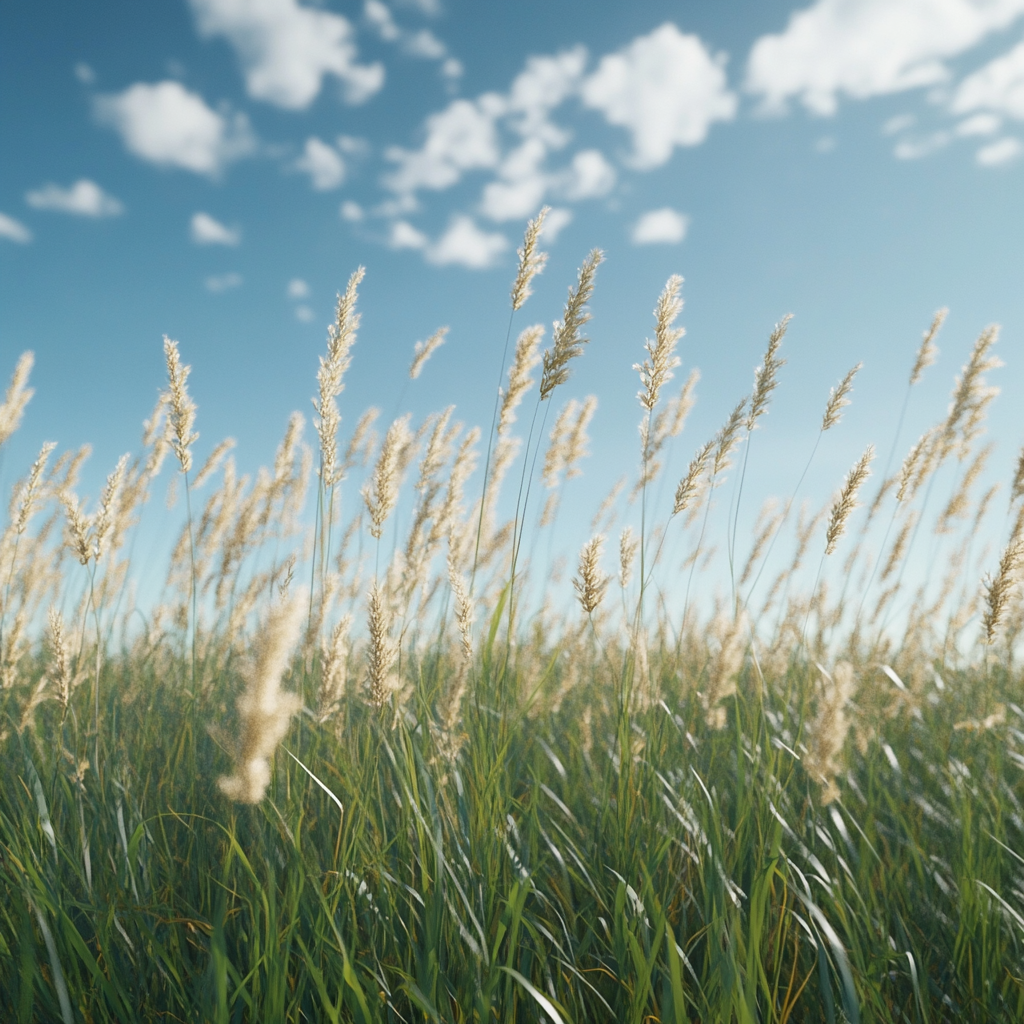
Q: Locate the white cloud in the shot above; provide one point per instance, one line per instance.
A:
(544, 84)
(915, 149)
(459, 138)
(14, 230)
(426, 45)
(557, 219)
(379, 16)
(172, 127)
(452, 68)
(466, 245)
(998, 86)
(84, 73)
(207, 231)
(297, 288)
(405, 236)
(303, 314)
(665, 88)
(864, 48)
(826, 144)
(351, 211)
(223, 282)
(979, 124)
(286, 49)
(589, 176)
(665, 226)
(899, 123)
(322, 163)
(85, 198)
(998, 153)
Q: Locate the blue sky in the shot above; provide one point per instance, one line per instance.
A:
(215, 169)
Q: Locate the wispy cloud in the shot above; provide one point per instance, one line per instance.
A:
(323, 163)
(85, 199)
(13, 230)
(205, 230)
(165, 124)
(223, 282)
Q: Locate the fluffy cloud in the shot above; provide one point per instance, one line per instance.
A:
(351, 211)
(557, 219)
(665, 226)
(85, 198)
(207, 231)
(998, 86)
(665, 88)
(286, 49)
(404, 236)
(297, 288)
(223, 282)
(916, 148)
(588, 176)
(322, 163)
(864, 48)
(464, 244)
(998, 153)
(459, 138)
(167, 125)
(14, 230)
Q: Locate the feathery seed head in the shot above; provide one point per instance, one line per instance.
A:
(531, 260)
(79, 527)
(27, 497)
(689, 485)
(765, 376)
(727, 439)
(264, 709)
(110, 499)
(341, 337)
(181, 415)
(628, 544)
(519, 381)
(380, 652)
(837, 399)
(381, 495)
(58, 647)
(927, 352)
(590, 584)
(17, 397)
(423, 350)
(567, 343)
(656, 370)
(1017, 487)
(999, 589)
(846, 500)
(971, 395)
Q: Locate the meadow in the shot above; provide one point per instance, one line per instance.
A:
(359, 764)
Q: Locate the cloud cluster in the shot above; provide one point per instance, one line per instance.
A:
(323, 163)
(85, 199)
(864, 48)
(286, 49)
(165, 124)
(463, 243)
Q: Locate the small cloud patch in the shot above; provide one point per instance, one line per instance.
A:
(207, 231)
(665, 226)
(83, 199)
(223, 282)
(13, 230)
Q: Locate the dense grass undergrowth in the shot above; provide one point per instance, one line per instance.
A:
(409, 791)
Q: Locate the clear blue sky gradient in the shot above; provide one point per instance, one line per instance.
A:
(797, 211)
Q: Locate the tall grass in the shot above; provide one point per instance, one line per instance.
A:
(422, 805)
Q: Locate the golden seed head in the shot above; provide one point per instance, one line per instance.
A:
(838, 400)
(423, 350)
(531, 260)
(181, 416)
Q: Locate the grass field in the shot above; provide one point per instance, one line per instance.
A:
(346, 774)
